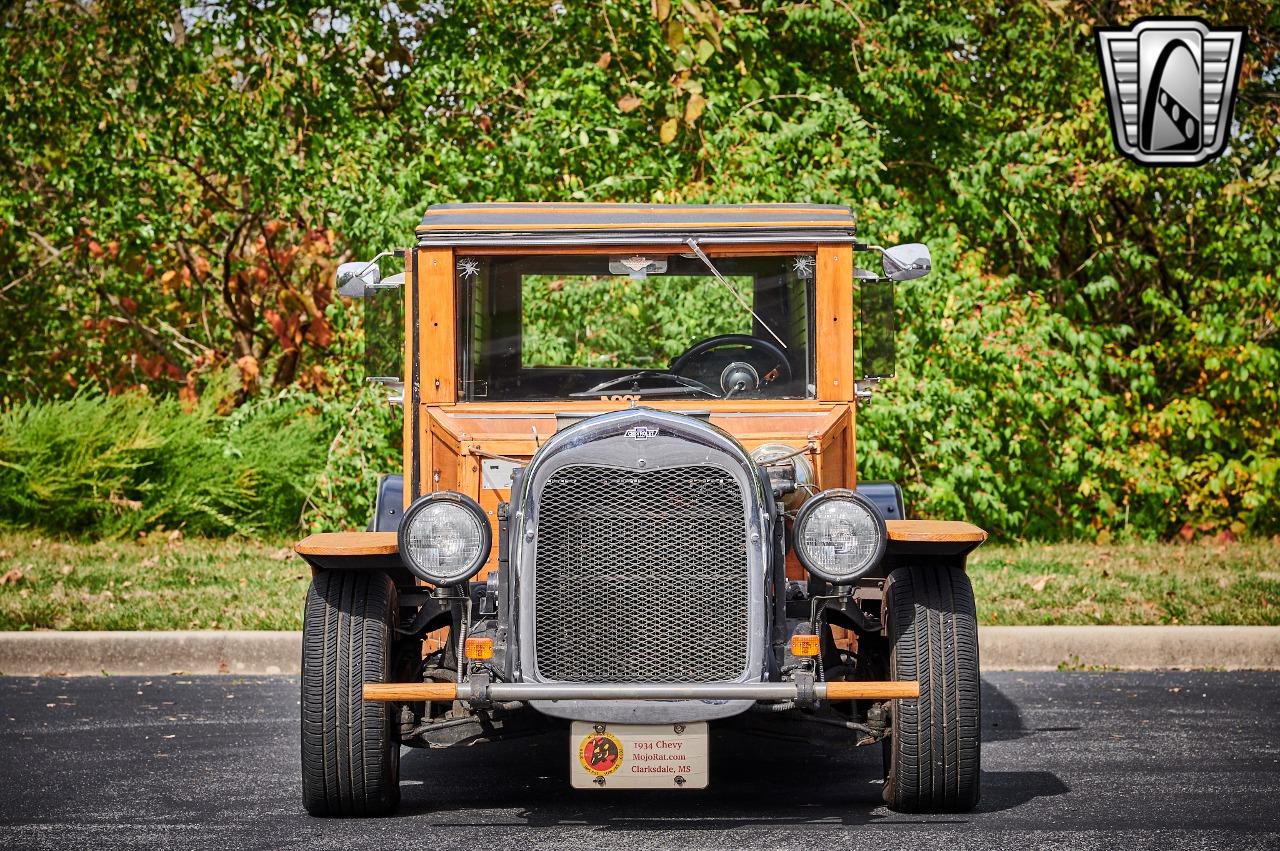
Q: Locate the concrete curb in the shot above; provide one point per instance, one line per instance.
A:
(1128, 648)
(149, 653)
(1019, 648)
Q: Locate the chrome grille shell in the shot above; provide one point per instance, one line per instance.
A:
(711, 596)
(641, 576)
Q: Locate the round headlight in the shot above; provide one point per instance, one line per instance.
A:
(444, 538)
(839, 535)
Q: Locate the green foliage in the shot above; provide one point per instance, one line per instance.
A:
(1096, 354)
(122, 465)
(367, 443)
(619, 322)
(1007, 412)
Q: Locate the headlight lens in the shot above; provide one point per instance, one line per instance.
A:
(839, 536)
(444, 538)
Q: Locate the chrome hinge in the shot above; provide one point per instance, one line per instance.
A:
(864, 389)
(395, 389)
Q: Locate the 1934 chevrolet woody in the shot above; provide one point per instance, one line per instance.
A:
(641, 521)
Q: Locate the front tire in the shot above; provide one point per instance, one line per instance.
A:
(350, 755)
(932, 757)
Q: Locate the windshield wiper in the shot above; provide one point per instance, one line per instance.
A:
(680, 385)
(697, 249)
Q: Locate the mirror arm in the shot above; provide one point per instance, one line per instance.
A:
(394, 386)
(381, 255)
(867, 274)
(374, 262)
(884, 254)
(355, 284)
(864, 389)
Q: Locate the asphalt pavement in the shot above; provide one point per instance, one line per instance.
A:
(1070, 760)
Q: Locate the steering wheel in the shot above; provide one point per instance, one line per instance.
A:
(769, 364)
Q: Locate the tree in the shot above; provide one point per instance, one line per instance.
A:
(1097, 349)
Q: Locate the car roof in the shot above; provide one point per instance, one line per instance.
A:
(500, 223)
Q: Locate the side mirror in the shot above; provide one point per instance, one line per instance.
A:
(354, 279)
(907, 262)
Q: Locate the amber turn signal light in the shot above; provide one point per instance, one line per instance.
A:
(477, 649)
(805, 645)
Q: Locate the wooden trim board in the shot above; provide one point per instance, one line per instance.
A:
(348, 544)
(934, 531)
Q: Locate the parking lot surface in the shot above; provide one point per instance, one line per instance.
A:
(1070, 760)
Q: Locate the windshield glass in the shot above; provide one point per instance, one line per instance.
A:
(551, 327)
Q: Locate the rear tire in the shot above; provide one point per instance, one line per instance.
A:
(933, 754)
(350, 755)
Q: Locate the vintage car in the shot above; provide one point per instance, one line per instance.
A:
(630, 509)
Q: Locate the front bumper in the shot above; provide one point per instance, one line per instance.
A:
(504, 692)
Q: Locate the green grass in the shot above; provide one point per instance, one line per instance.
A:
(151, 583)
(1202, 583)
(158, 583)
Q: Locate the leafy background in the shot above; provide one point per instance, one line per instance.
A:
(1095, 355)
(618, 322)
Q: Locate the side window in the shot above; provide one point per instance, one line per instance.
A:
(384, 331)
(876, 298)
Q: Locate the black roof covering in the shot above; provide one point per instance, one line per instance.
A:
(586, 222)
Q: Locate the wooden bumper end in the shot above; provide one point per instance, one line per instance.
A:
(873, 691)
(411, 692)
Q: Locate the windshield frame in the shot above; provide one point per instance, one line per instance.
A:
(477, 381)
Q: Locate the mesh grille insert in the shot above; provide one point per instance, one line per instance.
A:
(641, 576)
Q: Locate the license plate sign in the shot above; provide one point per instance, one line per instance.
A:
(638, 756)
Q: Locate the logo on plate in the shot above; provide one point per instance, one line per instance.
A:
(640, 433)
(1171, 86)
(600, 753)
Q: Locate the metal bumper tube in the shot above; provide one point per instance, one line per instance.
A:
(503, 692)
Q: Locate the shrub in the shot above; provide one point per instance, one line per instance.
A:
(119, 465)
(1010, 413)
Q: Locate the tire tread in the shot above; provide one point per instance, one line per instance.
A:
(350, 758)
(936, 740)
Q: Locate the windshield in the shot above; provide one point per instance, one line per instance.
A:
(549, 327)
